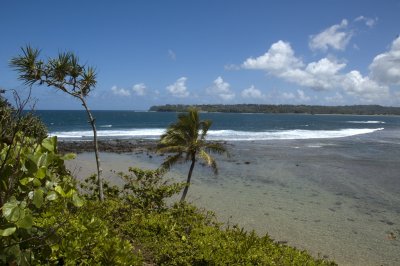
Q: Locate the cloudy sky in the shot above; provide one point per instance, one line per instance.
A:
(168, 52)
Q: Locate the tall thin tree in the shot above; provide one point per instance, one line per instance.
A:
(187, 140)
(64, 73)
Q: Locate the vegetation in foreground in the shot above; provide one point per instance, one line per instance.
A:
(44, 219)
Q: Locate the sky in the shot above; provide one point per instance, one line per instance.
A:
(212, 52)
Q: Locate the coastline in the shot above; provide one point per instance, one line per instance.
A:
(320, 195)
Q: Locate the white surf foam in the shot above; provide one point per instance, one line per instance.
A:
(229, 135)
(366, 122)
(288, 134)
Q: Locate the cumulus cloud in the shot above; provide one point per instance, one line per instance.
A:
(288, 95)
(120, 91)
(297, 96)
(252, 92)
(355, 84)
(178, 89)
(280, 61)
(302, 96)
(335, 99)
(327, 73)
(385, 68)
(369, 22)
(335, 37)
(280, 57)
(139, 89)
(221, 89)
(321, 75)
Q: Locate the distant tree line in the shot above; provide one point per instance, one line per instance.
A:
(282, 109)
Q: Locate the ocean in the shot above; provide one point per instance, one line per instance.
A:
(325, 183)
(226, 126)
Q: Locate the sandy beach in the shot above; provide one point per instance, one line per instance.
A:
(333, 197)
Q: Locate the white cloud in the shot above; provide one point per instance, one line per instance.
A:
(336, 37)
(139, 89)
(368, 90)
(297, 96)
(369, 22)
(302, 96)
(230, 67)
(288, 95)
(252, 92)
(280, 57)
(335, 99)
(280, 61)
(326, 74)
(221, 89)
(178, 89)
(321, 75)
(120, 91)
(385, 68)
(171, 55)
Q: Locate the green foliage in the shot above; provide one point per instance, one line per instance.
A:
(13, 121)
(147, 190)
(184, 235)
(85, 238)
(66, 74)
(33, 181)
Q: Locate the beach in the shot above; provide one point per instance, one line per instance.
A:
(336, 198)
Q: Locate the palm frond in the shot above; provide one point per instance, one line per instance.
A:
(215, 147)
(210, 161)
(170, 149)
(170, 161)
(205, 126)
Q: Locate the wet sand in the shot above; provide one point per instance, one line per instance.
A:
(337, 198)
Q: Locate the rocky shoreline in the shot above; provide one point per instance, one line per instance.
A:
(113, 146)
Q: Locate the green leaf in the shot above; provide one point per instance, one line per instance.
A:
(8, 231)
(26, 221)
(50, 144)
(41, 172)
(60, 190)
(52, 196)
(25, 181)
(36, 182)
(11, 210)
(68, 156)
(38, 198)
(76, 200)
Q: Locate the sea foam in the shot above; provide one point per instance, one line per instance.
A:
(229, 135)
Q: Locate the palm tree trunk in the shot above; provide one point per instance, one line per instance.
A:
(185, 191)
(96, 150)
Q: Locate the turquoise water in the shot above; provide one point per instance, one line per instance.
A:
(226, 126)
(326, 183)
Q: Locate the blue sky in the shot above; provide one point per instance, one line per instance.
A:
(159, 52)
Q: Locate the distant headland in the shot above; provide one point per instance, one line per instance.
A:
(282, 109)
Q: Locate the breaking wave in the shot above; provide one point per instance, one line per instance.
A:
(229, 135)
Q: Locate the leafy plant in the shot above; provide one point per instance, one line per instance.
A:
(34, 183)
(147, 189)
(66, 74)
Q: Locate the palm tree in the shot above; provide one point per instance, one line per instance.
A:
(187, 140)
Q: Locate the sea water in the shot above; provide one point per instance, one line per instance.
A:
(226, 126)
(325, 183)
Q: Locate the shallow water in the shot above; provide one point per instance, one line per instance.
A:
(333, 197)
